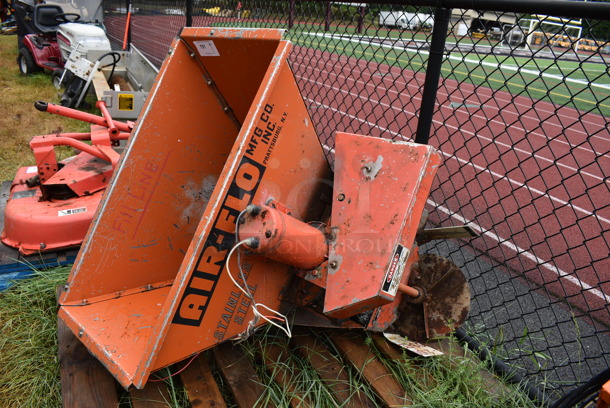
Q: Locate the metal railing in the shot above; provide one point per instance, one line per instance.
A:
(517, 101)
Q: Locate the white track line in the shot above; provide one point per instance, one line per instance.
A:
(528, 106)
(585, 287)
(494, 114)
(486, 119)
(477, 167)
(464, 59)
(463, 131)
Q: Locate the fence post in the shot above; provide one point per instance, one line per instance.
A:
(127, 39)
(433, 73)
(328, 16)
(189, 13)
(291, 7)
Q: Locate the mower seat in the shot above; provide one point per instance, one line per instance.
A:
(44, 18)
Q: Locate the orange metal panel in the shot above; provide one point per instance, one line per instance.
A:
(380, 188)
(603, 400)
(168, 217)
(244, 59)
(293, 170)
(160, 187)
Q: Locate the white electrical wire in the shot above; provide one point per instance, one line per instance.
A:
(255, 306)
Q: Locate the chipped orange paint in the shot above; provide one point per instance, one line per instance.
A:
(283, 238)
(380, 189)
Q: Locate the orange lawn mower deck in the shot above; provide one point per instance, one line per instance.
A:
(47, 208)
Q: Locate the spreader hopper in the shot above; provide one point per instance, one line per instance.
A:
(225, 126)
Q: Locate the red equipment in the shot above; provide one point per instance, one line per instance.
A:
(51, 205)
(47, 34)
(37, 29)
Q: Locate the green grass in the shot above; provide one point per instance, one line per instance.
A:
(29, 367)
(19, 120)
(29, 371)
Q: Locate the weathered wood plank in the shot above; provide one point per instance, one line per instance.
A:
(200, 385)
(239, 374)
(84, 381)
(276, 361)
(99, 84)
(331, 370)
(394, 352)
(361, 357)
(153, 395)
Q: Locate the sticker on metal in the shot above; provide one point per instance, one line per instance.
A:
(394, 273)
(207, 48)
(126, 102)
(71, 211)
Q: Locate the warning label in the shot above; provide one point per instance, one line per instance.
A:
(71, 211)
(395, 270)
(126, 102)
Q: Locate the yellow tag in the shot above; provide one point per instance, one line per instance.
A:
(125, 102)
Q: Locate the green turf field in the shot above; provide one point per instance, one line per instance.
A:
(581, 85)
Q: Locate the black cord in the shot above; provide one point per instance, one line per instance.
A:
(502, 369)
(583, 392)
(116, 57)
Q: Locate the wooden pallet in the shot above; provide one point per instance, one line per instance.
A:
(85, 382)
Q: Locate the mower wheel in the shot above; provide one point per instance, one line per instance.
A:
(56, 78)
(74, 87)
(26, 62)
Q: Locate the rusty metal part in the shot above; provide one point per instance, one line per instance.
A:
(445, 307)
(121, 82)
(283, 238)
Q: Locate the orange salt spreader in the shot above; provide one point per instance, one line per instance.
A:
(223, 214)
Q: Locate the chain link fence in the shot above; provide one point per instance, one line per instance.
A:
(517, 102)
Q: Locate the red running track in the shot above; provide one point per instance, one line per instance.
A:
(532, 186)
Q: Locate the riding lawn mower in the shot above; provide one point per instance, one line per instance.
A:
(48, 32)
